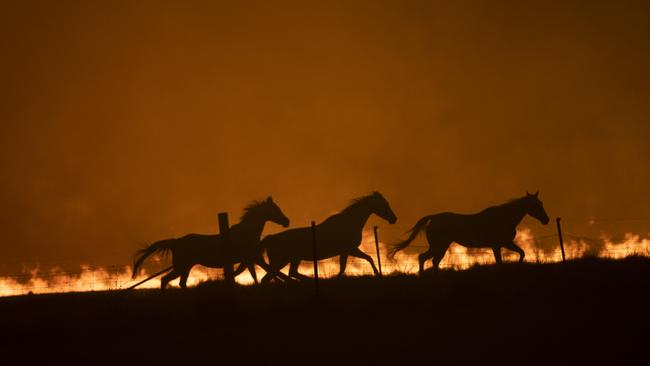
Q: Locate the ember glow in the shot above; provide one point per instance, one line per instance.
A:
(457, 257)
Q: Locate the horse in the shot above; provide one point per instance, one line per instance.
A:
(212, 250)
(494, 227)
(339, 235)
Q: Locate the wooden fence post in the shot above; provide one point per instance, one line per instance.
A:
(559, 234)
(313, 243)
(224, 232)
(377, 247)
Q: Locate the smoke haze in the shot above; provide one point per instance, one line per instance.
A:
(127, 122)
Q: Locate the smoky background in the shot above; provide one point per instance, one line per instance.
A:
(129, 122)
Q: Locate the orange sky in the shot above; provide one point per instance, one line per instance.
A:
(128, 122)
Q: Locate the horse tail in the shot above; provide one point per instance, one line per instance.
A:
(419, 226)
(162, 246)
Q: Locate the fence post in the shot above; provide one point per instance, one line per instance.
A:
(559, 234)
(377, 246)
(313, 243)
(224, 232)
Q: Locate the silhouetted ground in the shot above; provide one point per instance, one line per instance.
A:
(587, 311)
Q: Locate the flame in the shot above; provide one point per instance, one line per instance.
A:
(631, 245)
(56, 280)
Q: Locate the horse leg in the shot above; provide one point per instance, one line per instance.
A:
(272, 269)
(497, 253)
(251, 269)
(438, 253)
(272, 273)
(241, 268)
(228, 274)
(293, 271)
(516, 248)
(423, 257)
(185, 274)
(437, 250)
(167, 278)
(438, 245)
(267, 277)
(343, 260)
(356, 252)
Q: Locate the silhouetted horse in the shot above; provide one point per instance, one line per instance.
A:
(211, 250)
(339, 234)
(494, 227)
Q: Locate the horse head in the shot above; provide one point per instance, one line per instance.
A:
(535, 207)
(267, 210)
(381, 208)
(273, 213)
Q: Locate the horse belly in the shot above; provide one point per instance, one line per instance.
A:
(301, 247)
(332, 243)
(212, 263)
(324, 253)
(477, 238)
(209, 254)
(473, 243)
(288, 244)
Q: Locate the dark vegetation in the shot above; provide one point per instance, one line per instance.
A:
(586, 311)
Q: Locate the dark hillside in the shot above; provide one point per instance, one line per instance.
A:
(587, 311)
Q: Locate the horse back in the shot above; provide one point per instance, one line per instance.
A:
(473, 230)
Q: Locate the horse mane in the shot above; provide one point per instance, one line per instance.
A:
(251, 209)
(355, 202)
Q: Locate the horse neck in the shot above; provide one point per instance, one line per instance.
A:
(516, 212)
(252, 226)
(357, 215)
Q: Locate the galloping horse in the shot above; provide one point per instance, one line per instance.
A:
(495, 227)
(339, 234)
(212, 251)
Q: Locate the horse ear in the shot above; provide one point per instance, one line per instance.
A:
(537, 193)
(269, 199)
(527, 194)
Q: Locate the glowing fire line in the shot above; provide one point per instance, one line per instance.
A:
(457, 257)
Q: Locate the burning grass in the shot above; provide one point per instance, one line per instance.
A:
(89, 278)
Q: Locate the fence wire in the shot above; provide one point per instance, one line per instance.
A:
(118, 277)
